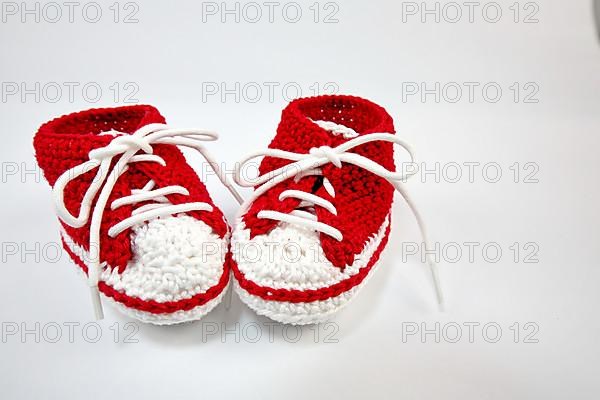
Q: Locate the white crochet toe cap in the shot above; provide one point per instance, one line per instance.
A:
(174, 258)
(291, 257)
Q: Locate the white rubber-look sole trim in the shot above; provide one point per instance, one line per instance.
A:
(313, 312)
(178, 317)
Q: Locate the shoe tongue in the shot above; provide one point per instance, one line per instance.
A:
(150, 116)
(126, 120)
(139, 116)
(299, 133)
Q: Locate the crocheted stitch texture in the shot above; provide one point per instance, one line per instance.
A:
(157, 267)
(362, 200)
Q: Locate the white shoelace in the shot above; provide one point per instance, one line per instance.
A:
(127, 146)
(309, 164)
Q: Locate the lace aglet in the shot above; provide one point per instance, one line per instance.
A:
(228, 297)
(96, 302)
(441, 304)
(438, 287)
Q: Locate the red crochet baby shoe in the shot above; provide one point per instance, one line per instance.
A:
(312, 232)
(134, 215)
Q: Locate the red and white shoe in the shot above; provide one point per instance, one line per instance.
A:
(134, 215)
(310, 235)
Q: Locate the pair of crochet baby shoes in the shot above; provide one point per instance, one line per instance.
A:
(140, 224)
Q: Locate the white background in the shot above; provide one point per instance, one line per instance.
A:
(171, 54)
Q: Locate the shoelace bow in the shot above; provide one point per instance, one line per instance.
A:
(127, 146)
(309, 164)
